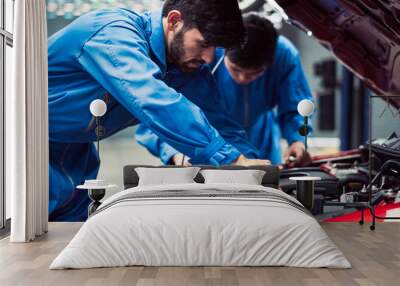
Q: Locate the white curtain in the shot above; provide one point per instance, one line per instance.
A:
(27, 124)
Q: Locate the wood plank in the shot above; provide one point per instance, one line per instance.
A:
(375, 257)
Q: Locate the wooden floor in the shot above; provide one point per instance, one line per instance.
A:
(375, 257)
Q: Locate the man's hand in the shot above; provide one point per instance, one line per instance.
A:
(243, 161)
(297, 150)
(177, 160)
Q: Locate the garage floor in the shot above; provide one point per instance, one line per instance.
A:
(375, 257)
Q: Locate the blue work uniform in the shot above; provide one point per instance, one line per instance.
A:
(208, 97)
(118, 56)
(265, 108)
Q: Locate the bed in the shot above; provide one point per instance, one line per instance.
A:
(198, 224)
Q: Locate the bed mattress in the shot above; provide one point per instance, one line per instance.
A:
(201, 225)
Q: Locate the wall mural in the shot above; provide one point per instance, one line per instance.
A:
(70, 9)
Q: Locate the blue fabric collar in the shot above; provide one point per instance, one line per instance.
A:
(157, 40)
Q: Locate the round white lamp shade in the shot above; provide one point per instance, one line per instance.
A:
(305, 107)
(98, 107)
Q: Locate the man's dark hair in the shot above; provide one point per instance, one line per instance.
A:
(219, 21)
(260, 42)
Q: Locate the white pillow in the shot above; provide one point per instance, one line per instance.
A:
(166, 176)
(248, 177)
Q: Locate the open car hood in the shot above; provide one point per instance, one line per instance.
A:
(363, 34)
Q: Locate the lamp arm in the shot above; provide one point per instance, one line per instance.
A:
(306, 133)
(98, 136)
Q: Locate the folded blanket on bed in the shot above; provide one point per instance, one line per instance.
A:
(201, 224)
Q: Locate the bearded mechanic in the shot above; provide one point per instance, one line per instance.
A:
(137, 63)
(260, 84)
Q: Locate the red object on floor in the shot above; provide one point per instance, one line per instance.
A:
(355, 216)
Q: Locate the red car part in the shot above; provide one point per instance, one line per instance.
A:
(363, 34)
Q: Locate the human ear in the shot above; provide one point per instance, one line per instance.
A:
(174, 20)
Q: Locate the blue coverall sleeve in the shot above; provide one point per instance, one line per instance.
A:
(154, 145)
(165, 152)
(292, 88)
(209, 100)
(118, 57)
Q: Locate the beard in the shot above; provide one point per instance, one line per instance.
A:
(177, 54)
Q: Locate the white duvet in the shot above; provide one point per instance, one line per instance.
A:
(202, 231)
